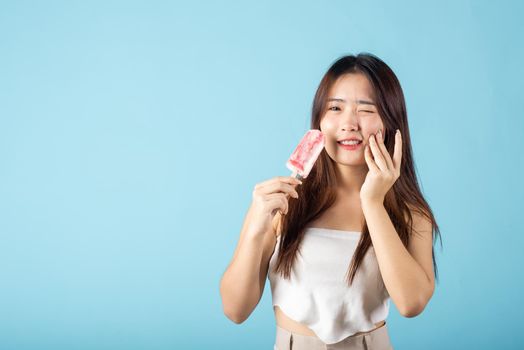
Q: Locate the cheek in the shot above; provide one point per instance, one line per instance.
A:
(372, 126)
(327, 123)
(374, 123)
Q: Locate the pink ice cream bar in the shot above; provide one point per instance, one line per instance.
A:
(303, 158)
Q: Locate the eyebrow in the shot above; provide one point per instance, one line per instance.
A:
(360, 102)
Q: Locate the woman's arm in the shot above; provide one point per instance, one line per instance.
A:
(242, 284)
(407, 273)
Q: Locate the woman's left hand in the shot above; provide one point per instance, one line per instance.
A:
(383, 171)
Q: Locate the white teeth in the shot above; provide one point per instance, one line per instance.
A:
(352, 142)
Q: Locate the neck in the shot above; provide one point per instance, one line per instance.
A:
(350, 179)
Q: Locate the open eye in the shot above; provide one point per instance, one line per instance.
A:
(331, 108)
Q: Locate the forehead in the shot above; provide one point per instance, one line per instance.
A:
(352, 86)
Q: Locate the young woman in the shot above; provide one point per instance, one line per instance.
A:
(356, 232)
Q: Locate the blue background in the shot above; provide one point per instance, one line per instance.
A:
(132, 135)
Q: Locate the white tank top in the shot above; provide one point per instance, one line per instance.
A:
(317, 295)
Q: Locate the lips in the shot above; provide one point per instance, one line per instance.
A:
(350, 147)
(340, 141)
(350, 139)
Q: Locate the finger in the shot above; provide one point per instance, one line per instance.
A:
(279, 187)
(290, 179)
(377, 153)
(397, 152)
(272, 196)
(369, 160)
(278, 203)
(385, 152)
(285, 179)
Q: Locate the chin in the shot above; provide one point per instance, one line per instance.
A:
(345, 159)
(356, 162)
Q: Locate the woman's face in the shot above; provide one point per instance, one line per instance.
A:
(350, 112)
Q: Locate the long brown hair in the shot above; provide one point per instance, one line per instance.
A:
(318, 191)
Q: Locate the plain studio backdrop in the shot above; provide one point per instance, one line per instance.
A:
(132, 135)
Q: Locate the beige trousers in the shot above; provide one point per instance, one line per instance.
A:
(377, 339)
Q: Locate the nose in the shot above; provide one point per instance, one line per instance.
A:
(350, 120)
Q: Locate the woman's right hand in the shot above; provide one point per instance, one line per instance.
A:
(269, 197)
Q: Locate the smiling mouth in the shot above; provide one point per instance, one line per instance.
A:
(351, 147)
